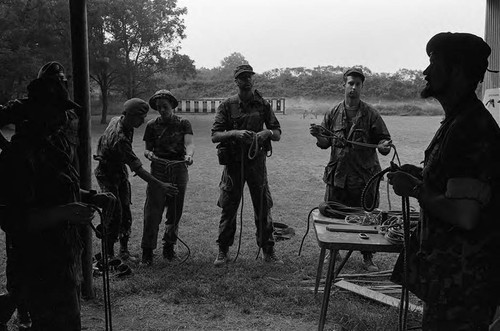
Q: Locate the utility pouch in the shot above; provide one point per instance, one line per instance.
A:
(223, 154)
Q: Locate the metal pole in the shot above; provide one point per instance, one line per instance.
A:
(492, 37)
(79, 56)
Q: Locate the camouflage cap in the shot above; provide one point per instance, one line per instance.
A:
(135, 106)
(163, 94)
(354, 71)
(243, 68)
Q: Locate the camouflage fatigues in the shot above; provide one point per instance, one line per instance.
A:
(455, 271)
(350, 167)
(234, 114)
(114, 152)
(37, 172)
(165, 140)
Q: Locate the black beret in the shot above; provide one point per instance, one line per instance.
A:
(465, 44)
(135, 106)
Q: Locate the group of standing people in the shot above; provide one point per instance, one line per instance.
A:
(243, 141)
(454, 262)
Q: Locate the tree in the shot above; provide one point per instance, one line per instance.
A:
(137, 36)
(33, 32)
(230, 62)
(181, 66)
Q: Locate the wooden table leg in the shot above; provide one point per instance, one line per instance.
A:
(326, 293)
(320, 269)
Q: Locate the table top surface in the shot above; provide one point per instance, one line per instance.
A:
(331, 239)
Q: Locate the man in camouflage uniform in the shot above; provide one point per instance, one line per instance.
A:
(351, 166)
(454, 266)
(41, 211)
(17, 112)
(239, 128)
(114, 153)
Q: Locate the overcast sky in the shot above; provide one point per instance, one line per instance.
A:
(383, 35)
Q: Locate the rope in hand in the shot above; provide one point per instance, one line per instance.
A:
(105, 216)
(255, 148)
(167, 164)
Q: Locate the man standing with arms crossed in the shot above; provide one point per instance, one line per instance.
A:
(350, 166)
(244, 144)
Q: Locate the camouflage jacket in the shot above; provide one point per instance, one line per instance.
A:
(463, 162)
(367, 127)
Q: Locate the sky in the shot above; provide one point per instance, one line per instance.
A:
(383, 35)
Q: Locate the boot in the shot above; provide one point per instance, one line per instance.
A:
(169, 252)
(368, 264)
(269, 255)
(147, 256)
(222, 257)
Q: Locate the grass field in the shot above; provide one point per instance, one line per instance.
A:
(248, 295)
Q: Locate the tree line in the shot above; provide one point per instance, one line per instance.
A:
(134, 50)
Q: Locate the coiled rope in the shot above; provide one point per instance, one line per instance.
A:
(167, 165)
(105, 216)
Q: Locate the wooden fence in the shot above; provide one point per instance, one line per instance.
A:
(210, 105)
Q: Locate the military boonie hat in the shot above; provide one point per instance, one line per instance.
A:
(243, 68)
(50, 69)
(135, 106)
(163, 94)
(354, 72)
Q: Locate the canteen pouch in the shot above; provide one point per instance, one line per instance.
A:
(223, 154)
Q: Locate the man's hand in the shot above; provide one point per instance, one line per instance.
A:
(189, 159)
(384, 147)
(243, 135)
(315, 130)
(170, 189)
(103, 199)
(264, 135)
(412, 170)
(403, 183)
(76, 213)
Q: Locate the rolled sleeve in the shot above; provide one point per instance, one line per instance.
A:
(468, 188)
(272, 122)
(220, 122)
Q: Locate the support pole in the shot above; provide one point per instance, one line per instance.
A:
(80, 62)
(492, 37)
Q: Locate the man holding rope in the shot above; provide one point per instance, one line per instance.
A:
(114, 153)
(244, 144)
(453, 265)
(351, 166)
(170, 147)
(41, 209)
